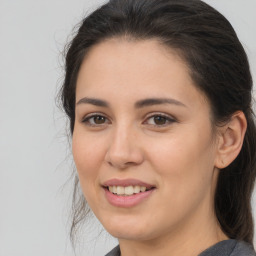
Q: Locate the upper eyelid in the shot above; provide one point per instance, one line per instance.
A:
(152, 114)
(89, 115)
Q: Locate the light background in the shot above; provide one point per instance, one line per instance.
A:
(34, 157)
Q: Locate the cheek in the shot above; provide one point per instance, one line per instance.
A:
(184, 161)
(184, 171)
(191, 147)
(88, 154)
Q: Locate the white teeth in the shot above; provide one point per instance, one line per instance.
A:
(142, 189)
(126, 191)
(137, 189)
(120, 190)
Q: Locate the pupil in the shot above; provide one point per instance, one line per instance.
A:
(99, 120)
(159, 120)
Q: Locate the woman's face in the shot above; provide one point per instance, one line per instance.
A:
(142, 124)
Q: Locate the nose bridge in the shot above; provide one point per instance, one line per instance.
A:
(123, 148)
(121, 135)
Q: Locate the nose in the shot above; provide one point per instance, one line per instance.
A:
(124, 150)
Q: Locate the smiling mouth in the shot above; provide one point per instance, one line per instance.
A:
(127, 193)
(127, 190)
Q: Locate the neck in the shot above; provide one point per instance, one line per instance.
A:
(187, 239)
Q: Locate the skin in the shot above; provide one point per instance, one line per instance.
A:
(180, 156)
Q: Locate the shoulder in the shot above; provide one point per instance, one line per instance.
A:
(114, 252)
(230, 247)
(243, 249)
(224, 248)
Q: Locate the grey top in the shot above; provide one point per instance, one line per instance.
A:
(229, 247)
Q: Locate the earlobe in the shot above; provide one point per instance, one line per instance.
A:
(231, 137)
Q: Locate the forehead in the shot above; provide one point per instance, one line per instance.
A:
(121, 68)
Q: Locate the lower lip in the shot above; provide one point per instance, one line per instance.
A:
(127, 201)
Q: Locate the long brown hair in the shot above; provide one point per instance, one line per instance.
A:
(218, 65)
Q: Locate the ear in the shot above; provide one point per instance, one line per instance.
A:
(230, 140)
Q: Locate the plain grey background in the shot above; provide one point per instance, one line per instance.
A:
(35, 157)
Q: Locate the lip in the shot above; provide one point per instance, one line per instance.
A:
(127, 201)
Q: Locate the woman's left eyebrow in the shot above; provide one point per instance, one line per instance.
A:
(157, 101)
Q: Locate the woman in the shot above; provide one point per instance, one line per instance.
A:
(158, 94)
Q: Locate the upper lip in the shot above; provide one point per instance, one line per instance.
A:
(126, 183)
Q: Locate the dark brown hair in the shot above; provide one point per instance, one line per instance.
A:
(218, 65)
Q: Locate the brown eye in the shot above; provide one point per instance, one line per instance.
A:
(94, 120)
(160, 120)
(99, 119)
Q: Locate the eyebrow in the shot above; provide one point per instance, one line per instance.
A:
(93, 101)
(138, 104)
(157, 101)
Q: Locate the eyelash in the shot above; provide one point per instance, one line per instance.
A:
(168, 119)
(86, 120)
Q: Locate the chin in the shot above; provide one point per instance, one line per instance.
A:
(128, 228)
(137, 235)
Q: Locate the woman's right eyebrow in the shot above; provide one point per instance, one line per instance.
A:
(93, 101)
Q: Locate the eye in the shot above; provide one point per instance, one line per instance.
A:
(159, 120)
(95, 120)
